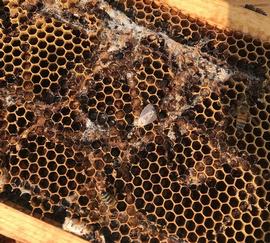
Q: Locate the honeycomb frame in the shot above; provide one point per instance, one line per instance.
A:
(74, 78)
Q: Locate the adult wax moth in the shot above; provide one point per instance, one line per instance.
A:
(147, 116)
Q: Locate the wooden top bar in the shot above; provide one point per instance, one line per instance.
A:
(226, 15)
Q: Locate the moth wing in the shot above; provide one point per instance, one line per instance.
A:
(148, 115)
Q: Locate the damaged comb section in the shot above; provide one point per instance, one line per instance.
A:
(128, 121)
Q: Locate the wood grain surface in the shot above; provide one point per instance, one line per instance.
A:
(263, 4)
(23, 228)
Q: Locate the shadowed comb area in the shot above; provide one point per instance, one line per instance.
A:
(127, 121)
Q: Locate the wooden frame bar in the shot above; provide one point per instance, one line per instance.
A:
(226, 15)
(24, 228)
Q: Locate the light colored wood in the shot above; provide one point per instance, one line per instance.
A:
(263, 4)
(226, 15)
(23, 228)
